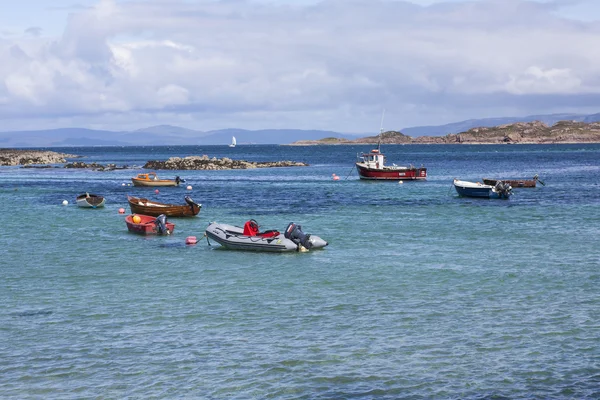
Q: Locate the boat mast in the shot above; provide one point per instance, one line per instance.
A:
(380, 132)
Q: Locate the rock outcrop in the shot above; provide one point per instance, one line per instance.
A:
(10, 157)
(206, 163)
(95, 166)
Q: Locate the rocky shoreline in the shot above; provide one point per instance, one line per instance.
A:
(206, 163)
(46, 159)
(13, 157)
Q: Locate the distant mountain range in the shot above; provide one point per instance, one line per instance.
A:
(174, 135)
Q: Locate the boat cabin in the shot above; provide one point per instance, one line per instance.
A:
(374, 159)
(151, 176)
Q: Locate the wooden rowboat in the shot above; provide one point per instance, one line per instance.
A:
(151, 179)
(515, 183)
(89, 200)
(153, 208)
(148, 225)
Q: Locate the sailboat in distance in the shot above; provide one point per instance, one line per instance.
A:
(233, 142)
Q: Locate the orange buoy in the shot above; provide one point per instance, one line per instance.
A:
(191, 240)
(335, 177)
(121, 211)
(136, 219)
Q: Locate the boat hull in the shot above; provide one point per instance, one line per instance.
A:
(391, 173)
(150, 179)
(478, 190)
(515, 183)
(232, 237)
(146, 226)
(158, 183)
(88, 200)
(154, 209)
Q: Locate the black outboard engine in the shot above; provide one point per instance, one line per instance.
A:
(191, 202)
(178, 180)
(295, 234)
(161, 224)
(503, 189)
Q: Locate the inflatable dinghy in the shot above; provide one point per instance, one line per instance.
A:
(250, 238)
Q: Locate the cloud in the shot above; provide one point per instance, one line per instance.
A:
(327, 65)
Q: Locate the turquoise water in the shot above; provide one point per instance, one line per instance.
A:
(420, 293)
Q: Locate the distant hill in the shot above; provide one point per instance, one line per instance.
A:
(156, 136)
(174, 135)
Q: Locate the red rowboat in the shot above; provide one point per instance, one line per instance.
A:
(147, 225)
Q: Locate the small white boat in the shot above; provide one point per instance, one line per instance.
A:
(233, 142)
(500, 190)
(249, 238)
(89, 200)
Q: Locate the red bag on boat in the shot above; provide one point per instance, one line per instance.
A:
(251, 228)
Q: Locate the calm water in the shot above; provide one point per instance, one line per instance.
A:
(420, 294)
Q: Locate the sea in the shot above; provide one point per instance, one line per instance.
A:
(420, 294)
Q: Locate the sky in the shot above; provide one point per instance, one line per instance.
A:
(298, 64)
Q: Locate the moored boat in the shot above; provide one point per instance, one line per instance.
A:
(89, 200)
(500, 190)
(372, 166)
(149, 225)
(516, 182)
(151, 179)
(144, 206)
(250, 238)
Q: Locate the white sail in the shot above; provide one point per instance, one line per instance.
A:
(233, 142)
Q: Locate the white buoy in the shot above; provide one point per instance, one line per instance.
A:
(122, 184)
(189, 187)
(65, 202)
(400, 182)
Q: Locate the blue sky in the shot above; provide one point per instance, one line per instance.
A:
(307, 64)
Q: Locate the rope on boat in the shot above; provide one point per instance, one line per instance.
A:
(350, 173)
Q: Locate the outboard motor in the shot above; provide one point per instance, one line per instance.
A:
(191, 202)
(503, 189)
(295, 234)
(161, 224)
(178, 180)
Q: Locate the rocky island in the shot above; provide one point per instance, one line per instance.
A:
(518, 133)
(206, 163)
(11, 157)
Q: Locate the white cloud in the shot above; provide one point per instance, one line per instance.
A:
(327, 65)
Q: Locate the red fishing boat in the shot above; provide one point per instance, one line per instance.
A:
(372, 166)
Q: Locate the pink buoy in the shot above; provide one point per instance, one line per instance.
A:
(121, 211)
(156, 191)
(335, 177)
(191, 240)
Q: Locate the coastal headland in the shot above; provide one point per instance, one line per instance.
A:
(518, 133)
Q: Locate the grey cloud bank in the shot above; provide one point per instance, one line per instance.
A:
(333, 65)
